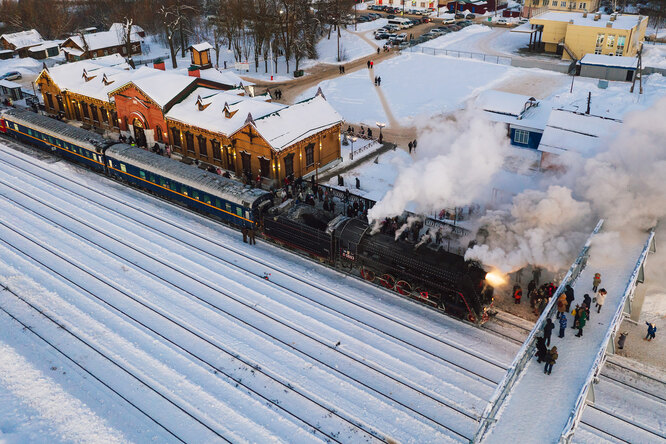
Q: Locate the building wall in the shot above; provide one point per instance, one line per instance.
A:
(532, 142)
(582, 40)
(120, 49)
(533, 8)
(180, 146)
(606, 72)
(133, 104)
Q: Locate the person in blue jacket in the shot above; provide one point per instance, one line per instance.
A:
(563, 324)
(652, 330)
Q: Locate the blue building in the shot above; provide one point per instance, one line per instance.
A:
(525, 117)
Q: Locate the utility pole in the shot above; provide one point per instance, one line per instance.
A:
(589, 100)
(639, 72)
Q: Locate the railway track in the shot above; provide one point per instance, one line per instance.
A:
(502, 325)
(289, 277)
(378, 372)
(631, 427)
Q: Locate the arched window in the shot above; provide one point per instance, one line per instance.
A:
(158, 134)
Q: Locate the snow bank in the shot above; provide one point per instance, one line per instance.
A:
(654, 55)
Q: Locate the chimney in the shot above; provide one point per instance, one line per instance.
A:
(159, 64)
(194, 71)
(597, 16)
(584, 14)
(609, 24)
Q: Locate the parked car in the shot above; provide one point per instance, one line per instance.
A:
(460, 15)
(11, 75)
(502, 22)
(382, 36)
(390, 16)
(471, 16)
(448, 21)
(523, 20)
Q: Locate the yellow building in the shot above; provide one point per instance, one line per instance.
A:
(575, 34)
(533, 8)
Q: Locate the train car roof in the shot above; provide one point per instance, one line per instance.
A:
(211, 183)
(56, 128)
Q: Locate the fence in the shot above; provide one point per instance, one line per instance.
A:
(461, 54)
(525, 353)
(138, 62)
(577, 412)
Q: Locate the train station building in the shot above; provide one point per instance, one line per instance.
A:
(200, 114)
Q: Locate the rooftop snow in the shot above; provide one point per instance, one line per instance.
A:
(504, 103)
(535, 118)
(46, 45)
(162, 86)
(575, 132)
(104, 39)
(23, 39)
(621, 22)
(212, 118)
(201, 46)
(611, 61)
(297, 122)
(9, 84)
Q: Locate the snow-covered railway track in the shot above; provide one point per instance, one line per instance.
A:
(618, 427)
(110, 360)
(456, 356)
(424, 398)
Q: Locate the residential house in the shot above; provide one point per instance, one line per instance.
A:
(20, 42)
(99, 44)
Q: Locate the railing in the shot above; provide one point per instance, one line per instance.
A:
(524, 355)
(461, 54)
(577, 412)
(356, 153)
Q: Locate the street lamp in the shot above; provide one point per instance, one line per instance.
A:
(353, 139)
(380, 125)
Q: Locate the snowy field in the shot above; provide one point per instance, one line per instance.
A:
(654, 55)
(482, 39)
(182, 325)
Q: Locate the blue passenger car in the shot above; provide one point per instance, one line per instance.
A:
(206, 192)
(72, 143)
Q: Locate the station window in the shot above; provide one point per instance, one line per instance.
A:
(521, 136)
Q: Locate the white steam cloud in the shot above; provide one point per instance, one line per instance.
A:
(457, 161)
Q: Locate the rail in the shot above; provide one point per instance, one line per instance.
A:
(637, 273)
(489, 416)
(500, 60)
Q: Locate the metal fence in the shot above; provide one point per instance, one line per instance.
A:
(636, 276)
(461, 54)
(524, 355)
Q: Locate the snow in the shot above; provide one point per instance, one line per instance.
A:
(352, 47)
(456, 39)
(654, 55)
(608, 60)
(504, 103)
(104, 39)
(201, 46)
(579, 133)
(162, 87)
(23, 39)
(229, 310)
(625, 21)
(558, 392)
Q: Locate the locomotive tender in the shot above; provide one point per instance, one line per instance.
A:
(440, 279)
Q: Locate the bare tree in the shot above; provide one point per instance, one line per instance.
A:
(170, 20)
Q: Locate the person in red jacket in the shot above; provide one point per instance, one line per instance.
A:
(517, 293)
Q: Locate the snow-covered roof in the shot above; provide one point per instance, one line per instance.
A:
(534, 119)
(501, 102)
(104, 39)
(70, 77)
(23, 39)
(162, 86)
(45, 45)
(625, 21)
(610, 61)
(224, 77)
(212, 116)
(210, 183)
(297, 122)
(203, 46)
(568, 131)
(9, 84)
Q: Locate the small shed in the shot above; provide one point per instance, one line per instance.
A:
(6, 54)
(201, 55)
(608, 67)
(10, 90)
(45, 50)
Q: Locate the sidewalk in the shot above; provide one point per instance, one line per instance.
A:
(539, 406)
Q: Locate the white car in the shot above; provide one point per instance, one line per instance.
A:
(448, 21)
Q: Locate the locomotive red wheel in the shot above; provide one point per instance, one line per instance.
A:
(368, 275)
(485, 317)
(471, 318)
(403, 287)
(387, 281)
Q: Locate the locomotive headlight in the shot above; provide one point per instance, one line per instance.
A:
(495, 278)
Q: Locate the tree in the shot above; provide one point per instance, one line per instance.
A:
(170, 20)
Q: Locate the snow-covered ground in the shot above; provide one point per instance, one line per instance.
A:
(214, 349)
(654, 55)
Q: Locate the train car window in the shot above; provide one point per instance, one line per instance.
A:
(162, 181)
(16, 127)
(110, 163)
(51, 140)
(57, 142)
(218, 204)
(247, 214)
(173, 186)
(206, 199)
(195, 194)
(239, 211)
(29, 132)
(142, 174)
(123, 168)
(152, 178)
(228, 207)
(183, 189)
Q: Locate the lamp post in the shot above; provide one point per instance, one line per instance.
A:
(353, 139)
(380, 125)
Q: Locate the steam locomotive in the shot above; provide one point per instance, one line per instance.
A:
(440, 279)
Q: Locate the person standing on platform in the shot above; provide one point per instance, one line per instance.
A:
(596, 281)
(548, 330)
(550, 360)
(570, 296)
(582, 319)
(542, 350)
(623, 337)
(561, 305)
(244, 231)
(651, 331)
(517, 294)
(600, 299)
(563, 325)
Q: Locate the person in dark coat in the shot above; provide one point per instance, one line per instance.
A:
(623, 337)
(251, 233)
(409, 145)
(576, 314)
(551, 358)
(582, 319)
(563, 325)
(570, 296)
(531, 287)
(244, 231)
(542, 350)
(587, 302)
(548, 330)
(651, 331)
